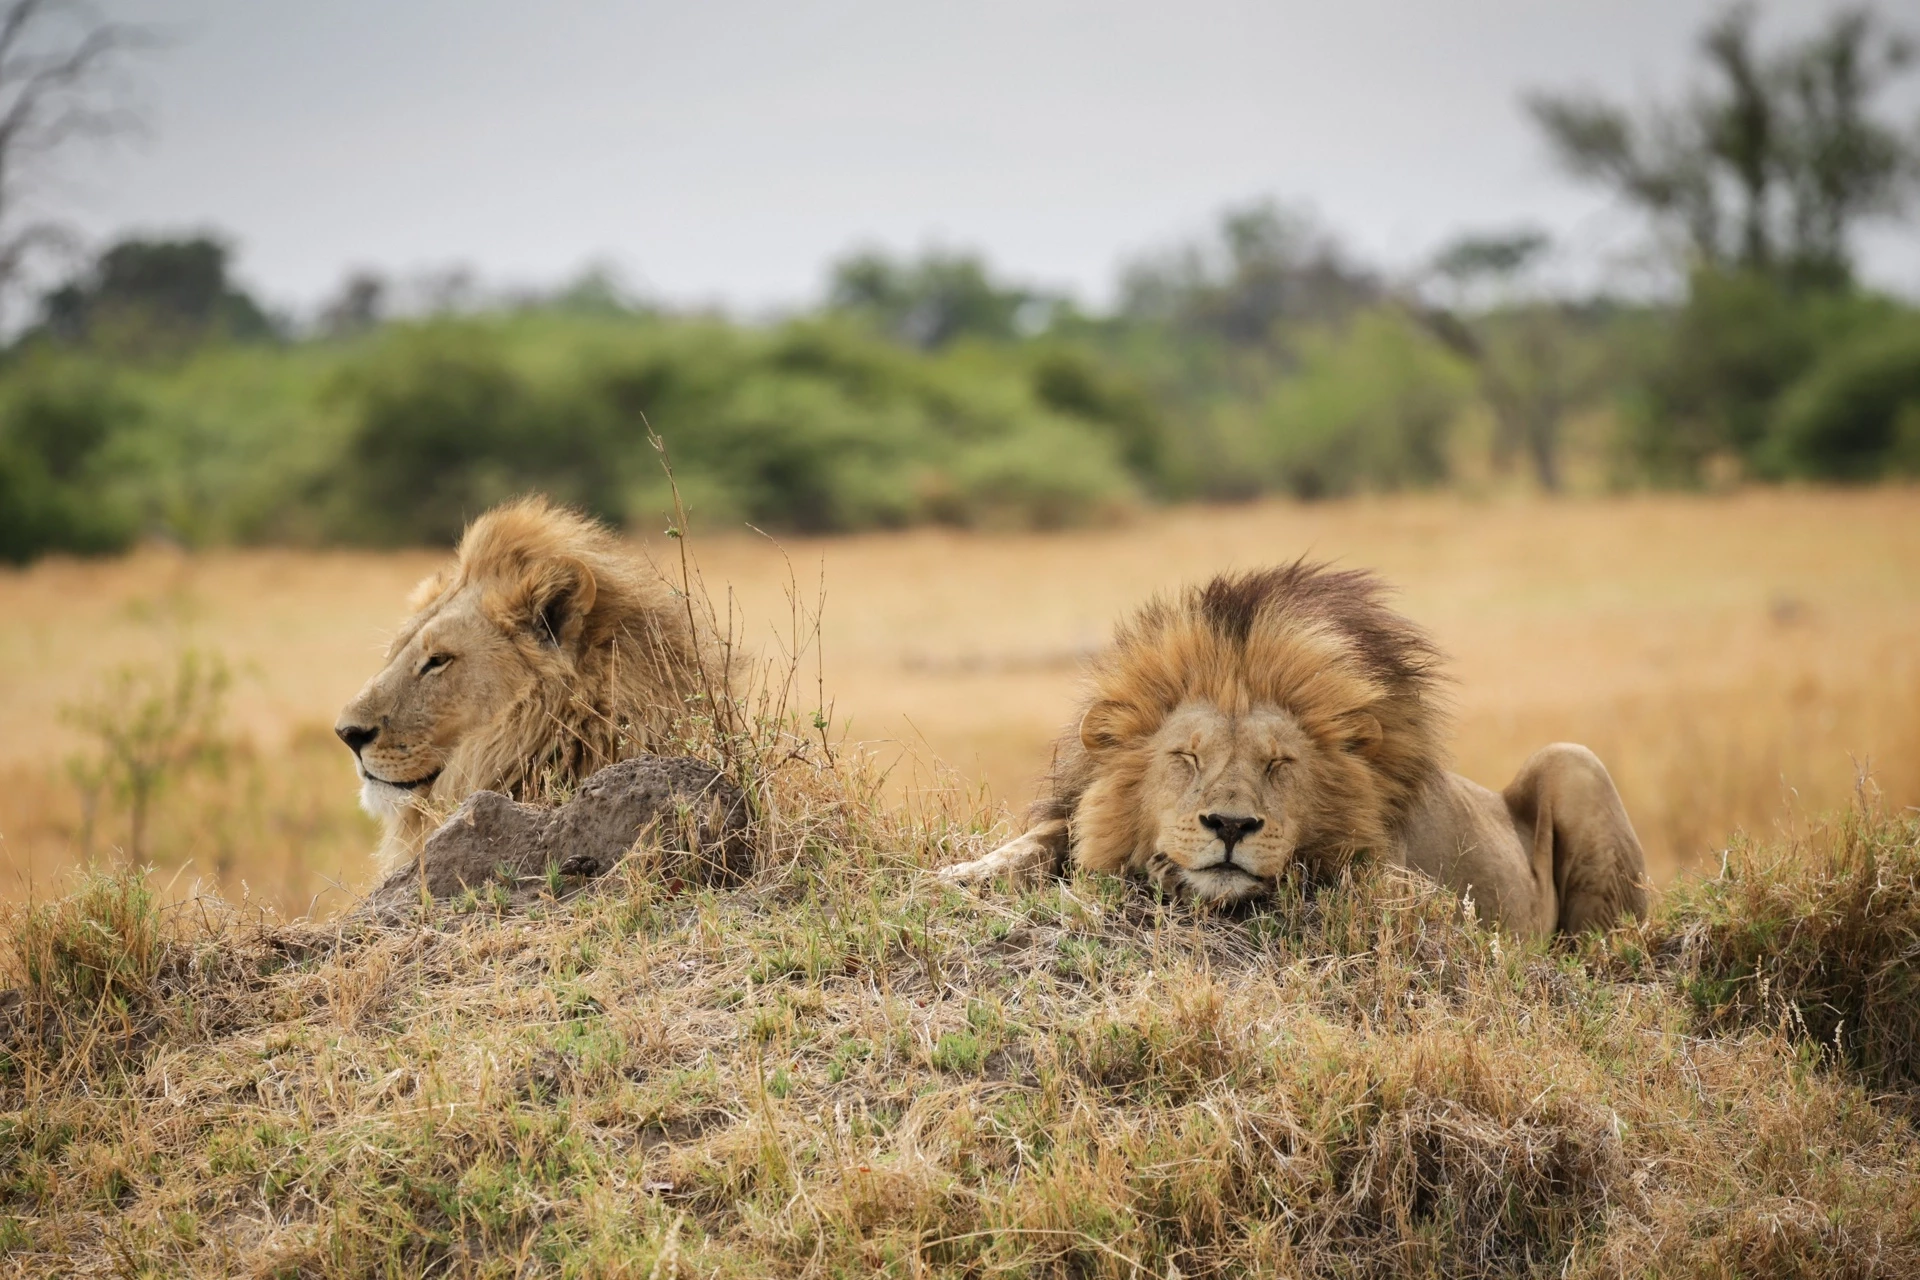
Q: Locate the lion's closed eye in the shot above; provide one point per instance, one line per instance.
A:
(434, 663)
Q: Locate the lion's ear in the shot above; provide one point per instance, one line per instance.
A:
(1361, 732)
(1104, 725)
(558, 596)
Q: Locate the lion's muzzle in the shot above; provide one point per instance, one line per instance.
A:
(1230, 828)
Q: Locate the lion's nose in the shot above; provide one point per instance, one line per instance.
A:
(1231, 828)
(356, 736)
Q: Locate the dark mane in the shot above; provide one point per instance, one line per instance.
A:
(1392, 648)
(1264, 635)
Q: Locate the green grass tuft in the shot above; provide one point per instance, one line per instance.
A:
(1823, 933)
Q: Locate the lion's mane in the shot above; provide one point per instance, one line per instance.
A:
(643, 654)
(1316, 641)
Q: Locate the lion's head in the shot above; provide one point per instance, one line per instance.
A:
(543, 653)
(1277, 717)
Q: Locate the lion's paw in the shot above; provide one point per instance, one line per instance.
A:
(978, 871)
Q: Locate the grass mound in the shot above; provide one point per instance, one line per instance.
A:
(845, 1067)
(1823, 932)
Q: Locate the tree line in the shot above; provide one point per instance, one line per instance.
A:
(149, 393)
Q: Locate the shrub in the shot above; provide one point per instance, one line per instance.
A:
(1368, 409)
(1739, 340)
(1856, 415)
(1075, 383)
(799, 453)
(1714, 383)
(1045, 473)
(819, 429)
(55, 430)
(444, 426)
(152, 727)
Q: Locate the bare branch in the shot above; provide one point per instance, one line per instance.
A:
(59, 65)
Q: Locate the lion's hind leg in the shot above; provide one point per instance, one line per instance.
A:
(1566, 808)
(1025, 859)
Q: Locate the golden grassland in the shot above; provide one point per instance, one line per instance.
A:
(845, 1067)
(1736, 659)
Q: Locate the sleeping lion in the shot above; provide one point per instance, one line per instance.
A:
(1288, 716)
(545, 652)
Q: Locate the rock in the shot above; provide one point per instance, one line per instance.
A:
(697, 818)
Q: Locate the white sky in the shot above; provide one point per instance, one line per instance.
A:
(725, 151)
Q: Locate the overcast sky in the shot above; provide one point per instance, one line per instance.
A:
(724, 152)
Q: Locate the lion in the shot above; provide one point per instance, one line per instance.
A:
(1288, 716)
(543, 653)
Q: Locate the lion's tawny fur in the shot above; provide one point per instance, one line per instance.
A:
(1317, 641)
(595, 659)
(1288, 718)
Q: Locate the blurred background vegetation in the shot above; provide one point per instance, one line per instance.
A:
(150, 396)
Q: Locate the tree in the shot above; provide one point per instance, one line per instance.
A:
(161, 294)
(1769, 166)
(1514, 338)
(930, 302)
(61, 79)
(359, 306)
(1265, 266)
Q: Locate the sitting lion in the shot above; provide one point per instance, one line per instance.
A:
(542, 654)
(1289, 716)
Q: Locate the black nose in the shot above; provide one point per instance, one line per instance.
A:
(355, 736)
(1231, 828)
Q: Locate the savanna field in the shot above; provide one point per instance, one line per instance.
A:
(843, 1067)
(1739, 661)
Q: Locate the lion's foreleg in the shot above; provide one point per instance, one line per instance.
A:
(1025, 859)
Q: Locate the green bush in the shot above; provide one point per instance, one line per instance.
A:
(1049, 474)
(818, 428)
(401, 434)
(444, 426)
(1712, 384)
(798, 453)
(1855, 416)
(56, 426)
(1074, 382)
(1740, 339)
(1369, 408)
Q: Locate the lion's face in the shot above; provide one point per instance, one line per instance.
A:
(1223, 797)
(1216, 801)
(451, 670)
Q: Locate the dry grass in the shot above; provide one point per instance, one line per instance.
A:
(1821, 934)
(847, 1068)
(1733, 658)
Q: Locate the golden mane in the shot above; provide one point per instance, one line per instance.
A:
(642, 655)
(1315, 641)
(601, 654)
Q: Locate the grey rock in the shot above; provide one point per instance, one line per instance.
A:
(691, 818)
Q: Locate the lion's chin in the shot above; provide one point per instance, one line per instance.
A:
(1219, 884)
(386, 800)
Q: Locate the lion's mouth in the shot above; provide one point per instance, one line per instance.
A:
(418, 784)
(1222, 881)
